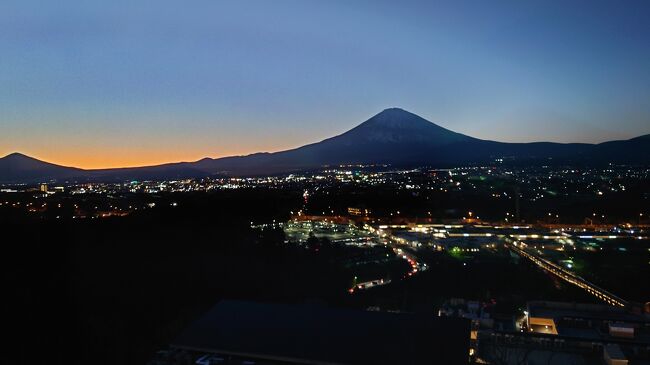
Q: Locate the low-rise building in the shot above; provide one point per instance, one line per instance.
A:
(255, 333)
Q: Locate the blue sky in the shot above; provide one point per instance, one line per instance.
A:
(124, 83)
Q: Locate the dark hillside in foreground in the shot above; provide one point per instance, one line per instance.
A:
(114, 291)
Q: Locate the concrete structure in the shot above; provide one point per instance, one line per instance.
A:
(577, 318)
(619, 334)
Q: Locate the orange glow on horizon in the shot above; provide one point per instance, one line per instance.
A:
(106, 161)
(133, 150)
(123, 158)
(91, 162)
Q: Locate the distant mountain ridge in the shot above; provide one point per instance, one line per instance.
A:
(394, 136)
(17, 167)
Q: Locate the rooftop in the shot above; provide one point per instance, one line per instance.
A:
(583, 310)
(310, 334)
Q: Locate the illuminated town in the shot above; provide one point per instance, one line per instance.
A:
(391, 231)
(325, 182)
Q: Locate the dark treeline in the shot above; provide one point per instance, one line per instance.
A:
(113, 291)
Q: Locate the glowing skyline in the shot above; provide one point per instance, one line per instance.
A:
(96, 85)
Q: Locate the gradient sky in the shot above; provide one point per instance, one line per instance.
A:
(111, 83)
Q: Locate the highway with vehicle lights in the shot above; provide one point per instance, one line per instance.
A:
(518, 247)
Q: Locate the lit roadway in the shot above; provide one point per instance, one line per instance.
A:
(394, 243)
(519, 248)
(397, 243)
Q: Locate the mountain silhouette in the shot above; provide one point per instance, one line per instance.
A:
(396, 125)
(17, 167)
(394, 136)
